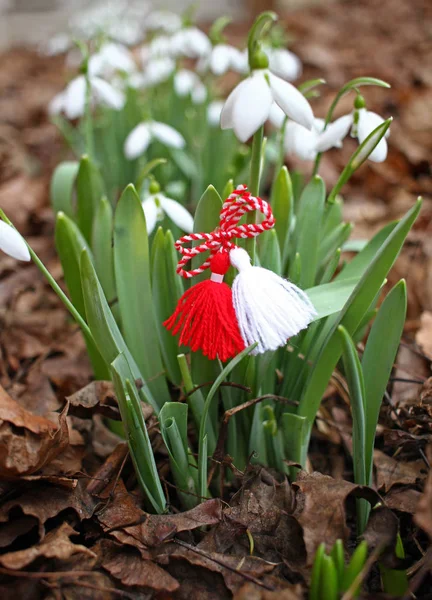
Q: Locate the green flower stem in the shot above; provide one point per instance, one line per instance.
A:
(254, 184)
(54, 285)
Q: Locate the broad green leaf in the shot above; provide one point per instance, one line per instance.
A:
(269, 253)
(139, 443)
(103, 326)
(102, 241)
(133, 279)
(282, 201)
(89, 191)
(206, 219)
(332, 242)
(351, 315)
(378, 358)
(315, 585)
(354, 567)
(338, 557)
(330, 298)
(308, 223)
(329, 579)
(163, 284)
(62, 187)
(294, 428)
(69, 244)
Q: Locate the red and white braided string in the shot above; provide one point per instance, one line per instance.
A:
(239, 203)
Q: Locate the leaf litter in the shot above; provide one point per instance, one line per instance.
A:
(72, 523)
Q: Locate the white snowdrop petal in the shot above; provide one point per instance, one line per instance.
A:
(276, 116)
(214, 111)
(137, 141)
(151, 213)
(177, 213)
(239, 61)
(56, 105)
(166, 134)
(291, 101)
(304, 143)
(12, 243)
(184, 82)
(107, 94)
(252, 106)
(226, 120)
(199, 93)
(334, 134)
(285, 64)
(220, 59)
(74, 98)
(368, 121)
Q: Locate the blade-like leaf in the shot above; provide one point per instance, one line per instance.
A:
(89, 191)
(62, 186)
(132, 273)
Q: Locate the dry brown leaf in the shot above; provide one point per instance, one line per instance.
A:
(392, 471)
(424, 334)
(27, 442)
(56, 545)
(129, 567)
(423, 516)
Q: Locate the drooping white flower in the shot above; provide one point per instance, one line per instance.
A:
(214, 111)
(224, 58)
(159, 47)
(156, 206)
(72, 100)
(190, 42)
(163, 20)
(12, 243)
(58, 44)
(248, 106)
(157, 71)
(188, 83)
(363, 123)
(284, 64)
(111, 57)
(143, 134)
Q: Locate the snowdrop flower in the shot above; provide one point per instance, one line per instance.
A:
(283, 63)
(157, 71)
(111, 57)
(163, 20)
(58, 44)
(214, 111)
(363, 122)
(143, 134)
(72, 100)
(248, 106)
(159, 47)
(305, 143)
(12, 243)
(224, 58)
(157, 205)
(190, 42)
(187, 82)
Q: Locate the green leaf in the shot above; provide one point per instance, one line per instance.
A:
(306, 240)
(337, 554)
(132, 272)
(206, 219)
(351, 316)
(315, 586)
(136, 430)
(102, 242)
(378, 358)
(269, 253)
(354, 568)
(103, 326)
(89, 191)
(202, 433)
(69, 244)
(330, 298)
(164, 302)
(329, 579)
(354, 377)
(62, 186)
(282, 202)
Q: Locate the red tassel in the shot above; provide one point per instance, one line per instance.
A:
(205, 315)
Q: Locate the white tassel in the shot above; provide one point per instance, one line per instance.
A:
(269, 309)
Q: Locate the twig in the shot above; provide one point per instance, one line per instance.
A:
(250, 578)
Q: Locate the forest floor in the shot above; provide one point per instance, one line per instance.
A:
(71, 522)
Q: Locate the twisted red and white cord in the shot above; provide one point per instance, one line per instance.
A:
(239, 203)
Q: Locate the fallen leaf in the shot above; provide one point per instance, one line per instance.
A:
(27, 441)
(391, 471)
(56, 545)
(423, 516)
(424, 334)
(129, 567)
(403, 499)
